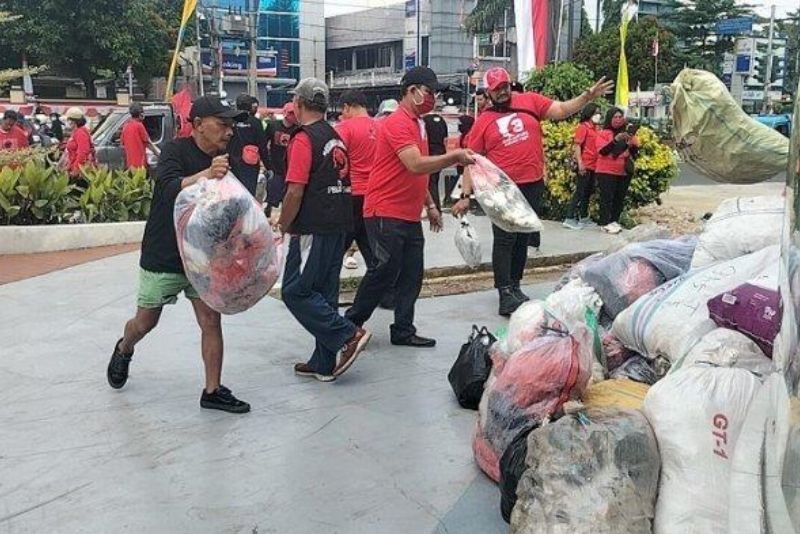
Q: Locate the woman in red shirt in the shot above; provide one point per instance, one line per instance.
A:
(585, 154)
(80, 149)
(616, 146)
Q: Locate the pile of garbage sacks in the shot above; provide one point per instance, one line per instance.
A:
(643, 394)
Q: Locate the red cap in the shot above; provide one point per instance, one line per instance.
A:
(495, 77)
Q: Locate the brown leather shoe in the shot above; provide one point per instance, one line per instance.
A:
(302, 369)
(351, 350)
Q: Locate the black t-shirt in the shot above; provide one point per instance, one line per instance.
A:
(249, 132)
(179, 159)
(278, 135)
(436, 130)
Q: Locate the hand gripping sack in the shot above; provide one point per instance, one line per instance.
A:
(738, 227)
(532, 386)
(229, 252)
(672, 318)
(468, 244)
(715, 136)
(697, 414)
(472, 367)
(590, 472)
(501, 199)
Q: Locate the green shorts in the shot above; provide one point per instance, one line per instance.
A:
(158, 289)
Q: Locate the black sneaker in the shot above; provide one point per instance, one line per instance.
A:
(223, 399)
(117, 373)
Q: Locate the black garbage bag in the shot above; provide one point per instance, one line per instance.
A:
(637, 368)
(512, 466)
(471, 368)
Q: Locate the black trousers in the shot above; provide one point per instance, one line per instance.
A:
(510, 250)
(433, 188)
(359, 234)
(584, 189)
(612, 196)
(398, 247)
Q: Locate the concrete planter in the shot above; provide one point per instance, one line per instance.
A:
(49, 238)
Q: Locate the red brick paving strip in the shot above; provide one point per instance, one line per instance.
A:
(15, 267)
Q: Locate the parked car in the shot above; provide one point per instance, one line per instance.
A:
(159, 120)
(781, 123)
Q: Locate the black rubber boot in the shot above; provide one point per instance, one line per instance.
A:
(518, 293)
(509, 302)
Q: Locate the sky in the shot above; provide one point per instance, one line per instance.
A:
(337, 7)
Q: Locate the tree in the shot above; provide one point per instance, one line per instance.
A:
(692, 22)
(9, 75)
(790, 28)
(600, 53)
(586, 24)
(485, 16)
(612, 13)
(93, 39)
(561, 81)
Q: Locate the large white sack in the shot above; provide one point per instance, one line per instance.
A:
(569, 303)
(740, 226)
(697, 414)
(672, 318)
(724, 345)
(791, 466)
(756, 498)
(714, 135)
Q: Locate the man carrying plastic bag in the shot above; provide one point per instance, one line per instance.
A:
(183, 163)
(509, 134)
(318, 213)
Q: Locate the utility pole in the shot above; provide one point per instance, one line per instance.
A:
(505, 33)
(252, 82)
(201, 90)
(768, 74)
(597, 17)
(419, 35)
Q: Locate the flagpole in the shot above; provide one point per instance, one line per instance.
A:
(188, 9)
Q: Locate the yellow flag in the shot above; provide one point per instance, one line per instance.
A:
(188, 8)
(629, 11)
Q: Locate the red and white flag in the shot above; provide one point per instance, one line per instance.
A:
(532, 18)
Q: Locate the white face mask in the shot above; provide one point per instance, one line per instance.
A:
(597, 118)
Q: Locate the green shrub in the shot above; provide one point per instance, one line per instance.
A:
(656, 167)
(35, 194)
(38, 194)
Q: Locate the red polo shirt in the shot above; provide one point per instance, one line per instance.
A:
(13, 139)
(610, 164)
(512, 140)
(393, 191)
(359, 136)
(134, 140)
(585, 135)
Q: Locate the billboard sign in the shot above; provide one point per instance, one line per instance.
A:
(734, 26)
(237, 65)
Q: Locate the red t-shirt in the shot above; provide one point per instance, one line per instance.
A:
(14, 139)
(393, 191)
(134, 140)
(512, 140)
(359, 136)
(585, 138)
(298, 158)
(80, 150)
(609, 164)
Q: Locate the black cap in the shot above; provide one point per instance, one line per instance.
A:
(212, 106)
(423, 76)
(244, 102)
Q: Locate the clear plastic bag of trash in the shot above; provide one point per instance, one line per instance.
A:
(529, 321)
(229, 252)
(468, 244)
(594, 471)
(715, 136)
(532, 386)
(501, 199)
(636, 269)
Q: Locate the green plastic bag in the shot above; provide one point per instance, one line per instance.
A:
(715, 136)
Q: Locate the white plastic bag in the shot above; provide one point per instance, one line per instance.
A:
(528, 322)
(501, 199)
(714, 135)
(468, 244)
(724, 345)
(570, 302)
(740, 226)
(697, 414)
(672, 318)
(229, 252)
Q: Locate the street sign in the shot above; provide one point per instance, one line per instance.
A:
(744, 64)
(484, 39)
(734, 26)
(728, 63)
(745, 46)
